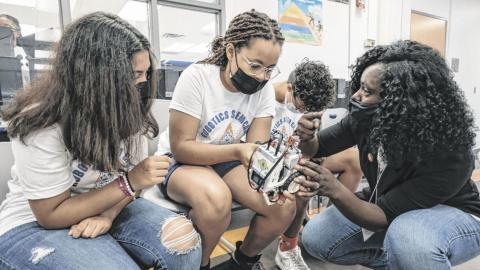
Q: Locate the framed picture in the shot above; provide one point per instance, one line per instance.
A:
(301, 21)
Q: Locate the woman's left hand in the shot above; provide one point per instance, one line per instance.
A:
(91, 227)
(317, 180)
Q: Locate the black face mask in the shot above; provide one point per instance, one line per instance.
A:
(144, 89)
(363, 113)
(245, 83)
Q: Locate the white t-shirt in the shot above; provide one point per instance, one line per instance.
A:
(284, 121)
(163, 143)
(43, 169)
(225, 116)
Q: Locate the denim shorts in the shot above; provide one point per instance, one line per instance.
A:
(221, 169)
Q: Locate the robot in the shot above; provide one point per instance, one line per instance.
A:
(271, 169)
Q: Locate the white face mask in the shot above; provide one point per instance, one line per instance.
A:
(289, 105)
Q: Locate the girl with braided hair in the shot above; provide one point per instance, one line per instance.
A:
(414, 132)
(215, 103)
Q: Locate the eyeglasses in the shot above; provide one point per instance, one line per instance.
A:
(257, 69)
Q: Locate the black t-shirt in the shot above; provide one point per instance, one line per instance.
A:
(437, 178)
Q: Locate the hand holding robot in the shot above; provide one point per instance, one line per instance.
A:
(271, 169)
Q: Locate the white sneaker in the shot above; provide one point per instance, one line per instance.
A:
(290, 259)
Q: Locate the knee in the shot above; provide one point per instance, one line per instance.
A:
(312, 244)
(179, 236)
(408, 242)
(214, 203)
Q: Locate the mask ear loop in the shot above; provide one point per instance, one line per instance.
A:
(236, 62)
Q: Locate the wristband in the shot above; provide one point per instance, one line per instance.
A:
(122, 184)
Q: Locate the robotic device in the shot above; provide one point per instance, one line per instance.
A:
(271, 167)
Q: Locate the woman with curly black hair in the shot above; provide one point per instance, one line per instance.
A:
(309, 88)
(414, 132)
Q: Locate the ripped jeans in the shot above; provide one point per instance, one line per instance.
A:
(143, 235)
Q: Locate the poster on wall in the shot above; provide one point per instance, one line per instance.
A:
(301, 21)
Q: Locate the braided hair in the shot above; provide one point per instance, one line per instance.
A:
(244, 28)
(422, 110)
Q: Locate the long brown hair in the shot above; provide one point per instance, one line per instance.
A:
(90, 93)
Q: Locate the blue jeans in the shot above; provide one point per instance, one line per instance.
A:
(436, 238)
(132, 243)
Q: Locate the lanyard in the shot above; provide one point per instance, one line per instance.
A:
(381, 165)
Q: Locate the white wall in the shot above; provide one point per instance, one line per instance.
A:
(394, 16)
(464, 43)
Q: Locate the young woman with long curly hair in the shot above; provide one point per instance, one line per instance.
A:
(414, 132)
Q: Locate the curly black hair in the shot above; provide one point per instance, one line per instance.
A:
(422, 110)
(313, 84)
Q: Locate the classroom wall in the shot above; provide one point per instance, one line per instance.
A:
(464, 44)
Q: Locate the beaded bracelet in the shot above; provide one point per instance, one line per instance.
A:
(128, 181)
(122, 184)
(129, 185)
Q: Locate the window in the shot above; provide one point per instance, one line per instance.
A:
(134, 12)
(27, 34)
(184, 41)
(182, 33)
